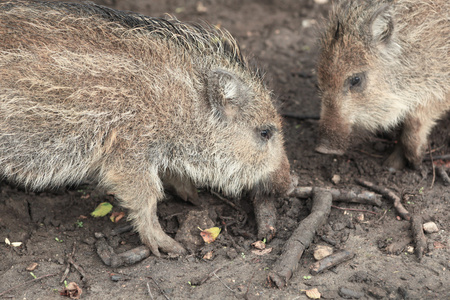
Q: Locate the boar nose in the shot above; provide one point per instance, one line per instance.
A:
(325, 147)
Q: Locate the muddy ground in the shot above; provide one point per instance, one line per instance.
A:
(281, 37)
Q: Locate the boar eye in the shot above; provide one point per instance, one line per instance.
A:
(355, 81)
(266, 134)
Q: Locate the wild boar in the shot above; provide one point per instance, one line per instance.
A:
(134, 102)
(384, 64)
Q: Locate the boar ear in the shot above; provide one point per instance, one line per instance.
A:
(226, 93)
(381, 25)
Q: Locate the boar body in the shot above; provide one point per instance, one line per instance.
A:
(383, 64)
(134, 102)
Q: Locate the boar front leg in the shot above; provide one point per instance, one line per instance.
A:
(414, 137)
(140, 192)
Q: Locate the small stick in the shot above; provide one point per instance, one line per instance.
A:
(230, 203)
(331, 261)
(27, 283)
(223, 282)
(443, 174)
(301, 238)
(197, 282)
(370, 154)
(445, 156)
(354, 209)
(339, 195)
(157, 285)
(149, 291)
(419, 236)
(388, 194)
(432, 165)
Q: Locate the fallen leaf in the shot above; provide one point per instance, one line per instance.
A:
(116, 216)
(72, 290)
(438, 245)
(102, 210)
(209, 235)
(208, 255)
(31, 267)
(262, 252)
(312, 293)
(259, 245)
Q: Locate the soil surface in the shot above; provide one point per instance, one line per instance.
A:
(281, 37)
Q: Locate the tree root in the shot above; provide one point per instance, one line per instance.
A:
(419, 236)
(339, 195)
(301, 238)
(388, 194)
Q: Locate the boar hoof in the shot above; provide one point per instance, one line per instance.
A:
(165, 243)
(396, 161)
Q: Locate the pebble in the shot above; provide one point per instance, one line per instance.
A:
(350, 294)
(336, 179)
(322, 251)
(430, 227)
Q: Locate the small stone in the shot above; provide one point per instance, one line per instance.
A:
(360, 217)
(232, 253)
(410, 249)
(430, 227)
(338, 226)
(350, 294)
(89, 240)
(376, 292)
(336, 179)
(99, 235)
(322, 251)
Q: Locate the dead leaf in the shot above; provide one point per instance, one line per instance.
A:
(438, 245)
(262, 252)
(117, 216)
(312, 293)
(72, 290)
(31, 267)
(259, 245)
(209, 235)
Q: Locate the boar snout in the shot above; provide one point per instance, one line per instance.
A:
(334, 132)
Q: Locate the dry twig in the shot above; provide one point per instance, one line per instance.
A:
(197, 281)
(388, 194)
(27, 283)
(339, 195)
(149, 291)
(301, 238)
(331, 261)
(354, 209)
(160, 290)
(71, 261)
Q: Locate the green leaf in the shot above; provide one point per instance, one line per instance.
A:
(102, 210)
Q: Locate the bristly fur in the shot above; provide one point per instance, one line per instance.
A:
(203, 37)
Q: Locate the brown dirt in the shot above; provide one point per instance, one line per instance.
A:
(280, 35)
